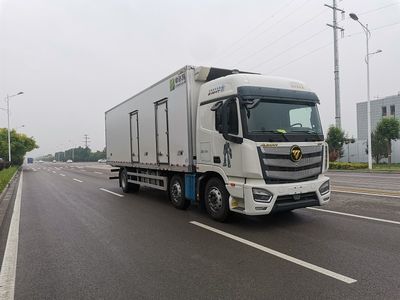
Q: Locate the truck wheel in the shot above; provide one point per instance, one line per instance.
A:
(216, 199)
(125, 185)
(123, 180)
(177, 193)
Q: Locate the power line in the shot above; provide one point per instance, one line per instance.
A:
(384, 26)
(298, 58)
(295, 45)
(289, 48)
(373, 10)
(326, 45)
(244, 36)
(379, 8)
(373, 29)
(271, 26)
(281, 37)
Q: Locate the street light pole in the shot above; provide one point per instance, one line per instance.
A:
(367, 35)
(8, 128)
(8, 123)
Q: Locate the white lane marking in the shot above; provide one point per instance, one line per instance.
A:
(80, 167)
(355, 216)
(116, 194)
(362, 193)
(359, 175)
(98, 172)
(54, 172)
(9, 266)
(78, 180)
(278, 254)
(62, 174)
(34, 170)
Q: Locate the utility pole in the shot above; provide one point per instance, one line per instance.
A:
(336, 60)
(86, 140)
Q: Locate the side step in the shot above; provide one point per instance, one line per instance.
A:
(150, 180)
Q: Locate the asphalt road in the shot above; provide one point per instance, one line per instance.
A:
(79, 241)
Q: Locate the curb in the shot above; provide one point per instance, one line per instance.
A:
(8, 184)
(6, 191)
(365, 171)
(7, 199)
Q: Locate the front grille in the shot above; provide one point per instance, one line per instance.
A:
(289, 202)
(279, 168)
(295, 198)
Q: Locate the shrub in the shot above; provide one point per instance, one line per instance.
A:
(347, 166)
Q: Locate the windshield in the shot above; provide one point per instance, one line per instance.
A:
(288, 118)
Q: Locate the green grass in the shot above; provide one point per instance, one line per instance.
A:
(5, 176)
(364, 167)
(386, 167)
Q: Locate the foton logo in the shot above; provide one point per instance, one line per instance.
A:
(295, 153)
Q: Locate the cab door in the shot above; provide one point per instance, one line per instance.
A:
(228, 153)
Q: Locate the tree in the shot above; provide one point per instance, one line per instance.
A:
(20, 144)
(379, 149)
(48, 157)
(80, 154)
(388, 129)
(335, 139)
(95, 156)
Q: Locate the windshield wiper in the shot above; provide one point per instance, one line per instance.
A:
(309, 131)
(280, 131)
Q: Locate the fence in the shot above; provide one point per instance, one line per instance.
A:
(356, 152)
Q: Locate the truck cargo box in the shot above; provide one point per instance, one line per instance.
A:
(155, 128)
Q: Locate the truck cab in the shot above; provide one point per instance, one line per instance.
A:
(259, 141)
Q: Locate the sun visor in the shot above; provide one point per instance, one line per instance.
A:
(274, 93)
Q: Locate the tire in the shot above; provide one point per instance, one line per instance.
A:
(176, 193)
(216, 200)
(125, 185)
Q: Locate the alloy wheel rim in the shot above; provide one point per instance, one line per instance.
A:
(215, 199)
(176, 192)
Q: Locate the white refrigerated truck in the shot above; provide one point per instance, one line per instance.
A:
(230, 140)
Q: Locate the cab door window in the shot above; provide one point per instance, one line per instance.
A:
(233, 122)
(232, 115)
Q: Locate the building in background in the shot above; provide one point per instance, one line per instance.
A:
(380, 108)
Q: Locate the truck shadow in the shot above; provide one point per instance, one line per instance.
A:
(279, 220)
(152, 197)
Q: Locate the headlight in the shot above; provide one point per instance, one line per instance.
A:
(324, 188)
(261, 195)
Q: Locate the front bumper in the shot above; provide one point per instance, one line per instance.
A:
(286, 196)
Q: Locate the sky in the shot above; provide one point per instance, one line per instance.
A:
(75, 59)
